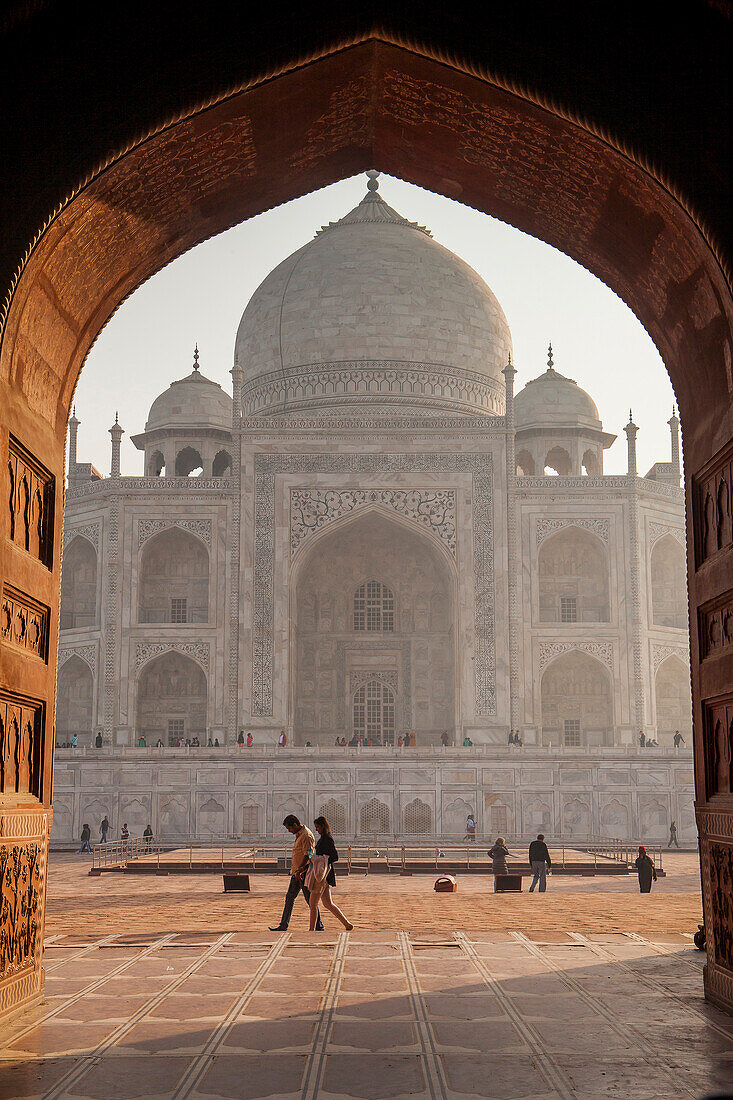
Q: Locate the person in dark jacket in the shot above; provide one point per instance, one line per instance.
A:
(321, 894)
(86, 836)
(498, 856)
(540, 862)
(646, 870)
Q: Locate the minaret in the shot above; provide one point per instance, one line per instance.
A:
(513, 568)
(117, 433)
(73, 432)
(631, 431)
(674, 431)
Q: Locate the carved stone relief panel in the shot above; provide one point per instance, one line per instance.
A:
(713, 507)
(24, 622)
(546, 527)
(21, 744)
(721, 897)
(31, 503)
(22, 872)
(718, 734)
(716, 626)
(312, 509)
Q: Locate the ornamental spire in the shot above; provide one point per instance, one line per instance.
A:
(196, 357)
(372, 180)
(550, 364)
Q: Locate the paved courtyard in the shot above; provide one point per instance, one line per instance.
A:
(214, 1005)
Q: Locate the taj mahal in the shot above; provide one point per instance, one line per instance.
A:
(376, 545)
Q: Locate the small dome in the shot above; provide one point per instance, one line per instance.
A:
(191, 402)
(552, 400)
(373, 311)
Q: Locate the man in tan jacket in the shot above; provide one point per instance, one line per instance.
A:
(303, 848)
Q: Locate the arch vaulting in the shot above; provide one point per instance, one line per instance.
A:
(526, 126)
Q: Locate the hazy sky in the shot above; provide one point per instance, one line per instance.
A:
(201, 296)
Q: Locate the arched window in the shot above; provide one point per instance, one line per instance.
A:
(74, 703)
(188, 463)
(374, 712)
(558, 461)
(374, 607)
(174, 579)
(577, 703)
(573, 578)
(222, 464)
(418, 818)
(79, 585)
(156, 464)
(172, 700)
(525, 464)
(374, 817)
(591, 465)
(669, 588)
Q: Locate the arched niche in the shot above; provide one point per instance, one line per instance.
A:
(669, 583)
(171, 700)
(374, 818)
(173, 585)
(417, 818)
(525, 464)
(156, 464)
(558, 462)
(222, 464)
(673, 701)
(374, 714)
(189, 463)
(74, 702)
(573, 578)
(79, 585)
(332, 659)
(577, 701)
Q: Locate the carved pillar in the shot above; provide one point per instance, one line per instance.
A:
(31, 489)
(674, 431)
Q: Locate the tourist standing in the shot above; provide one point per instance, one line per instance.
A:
(646, 871)
(678, 739)
(470, 828)
(104, 829)
(74, 741)
(321, 889)
(303, 848)
(498, 856)
(148, 834)
(642, 739)
(124, 832)
(673, 835)
(86, 836)
(540, 862)
(282, 739)
(98, 739)
(250, 740)
(445, 739)
(240, 739)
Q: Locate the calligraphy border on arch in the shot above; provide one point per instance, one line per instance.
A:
(268, 467)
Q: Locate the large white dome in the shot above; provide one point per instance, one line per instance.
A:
(373, 311)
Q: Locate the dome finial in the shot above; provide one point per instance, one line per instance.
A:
(196, 356)
(372, 180)
(550, 365)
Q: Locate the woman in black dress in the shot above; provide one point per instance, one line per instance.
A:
(321, 894)
(646, 871)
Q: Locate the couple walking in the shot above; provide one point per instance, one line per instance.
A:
(312, 871)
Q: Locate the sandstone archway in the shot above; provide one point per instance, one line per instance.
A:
(520, 142)
(573, 578)
(173, 585)
(171, 700)
(577, 701)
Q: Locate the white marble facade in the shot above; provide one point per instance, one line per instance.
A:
(375, 535)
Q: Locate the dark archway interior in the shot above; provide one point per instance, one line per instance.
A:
(532, 124)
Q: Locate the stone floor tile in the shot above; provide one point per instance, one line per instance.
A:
(373, 967)
(186, 1006)
(255, 1035)
(277, 1006)
(598, 1078)
(29, 1080)
(55, 1039)
(373, 1035)
(477, 1035)
(469, 1006)
(288, 983)
(97, 1008)
(373, 984)
(131, 1078)
(362, 1007)
(198, 983)
(131, 986)
(451, 983)
(373, 1076)
(165, 1037)
(251, 1076)
(500, 1076)
(564, 1006)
